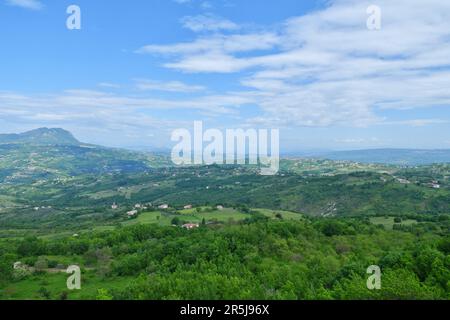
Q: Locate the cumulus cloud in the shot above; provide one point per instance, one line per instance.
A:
(85, 106)
(27, 4)
(326, 68)
(171, 86)
(207, 22)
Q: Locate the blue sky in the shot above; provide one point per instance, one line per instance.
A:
(139, 69)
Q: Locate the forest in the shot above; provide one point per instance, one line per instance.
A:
(257, 258)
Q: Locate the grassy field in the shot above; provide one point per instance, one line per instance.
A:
(388, 222)
(287, 215)
(188, 215)
(196, 216)
(55, 285)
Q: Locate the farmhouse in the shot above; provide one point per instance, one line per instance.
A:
(190, 226)
(132, 213)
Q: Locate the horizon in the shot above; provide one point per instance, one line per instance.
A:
(312, 70)
(307, 153)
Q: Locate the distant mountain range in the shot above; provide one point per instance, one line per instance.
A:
(41, 136)
(51, 153)
(411, 157)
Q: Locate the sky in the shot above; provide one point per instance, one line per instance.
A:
(138, 69)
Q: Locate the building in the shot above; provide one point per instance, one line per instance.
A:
(219, 207)
(114, 206)
(163, 206)
(189, 206)
(190, 226)
(435, 185)
(132, 213)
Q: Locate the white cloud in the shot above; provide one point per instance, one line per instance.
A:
(86, 105)
(417, 122)
(109, 85)
(223, 44)
(171, 86)
(326, 68)
(207, 22)
(28, 4)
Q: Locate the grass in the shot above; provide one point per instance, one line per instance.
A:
(388, 222)
(149, 218)
(287, 215)
(55, 283)
(190, 215)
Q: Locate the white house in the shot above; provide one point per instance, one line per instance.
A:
(190, 226)
(163, 206)
(132, 213)
(189, 206)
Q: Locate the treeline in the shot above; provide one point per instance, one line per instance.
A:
(259, 259)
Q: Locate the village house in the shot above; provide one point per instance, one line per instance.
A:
(132, 213)
(163, 206)
(190, 226)
(189, 206)
(114, 206)
(435, 185)
(403, 181)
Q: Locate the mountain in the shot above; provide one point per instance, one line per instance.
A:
(410, 157)
(54, 153)
(79, 182)
(41, 136)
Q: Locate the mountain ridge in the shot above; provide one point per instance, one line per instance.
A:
(394, 156)
(41, 136)
(390, 156)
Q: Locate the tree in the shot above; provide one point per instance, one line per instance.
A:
(63, 296)
(41, 264)
(31, 246)
(176, 221)
(44, 293)
(103, 294)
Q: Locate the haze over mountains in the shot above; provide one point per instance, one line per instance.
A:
(41, 136)
(61, 137)
(50, 168)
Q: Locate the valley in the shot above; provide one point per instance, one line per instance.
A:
(141, 228)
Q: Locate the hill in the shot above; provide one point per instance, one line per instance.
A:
(76, 184)
(41, 136)
(411, 157)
